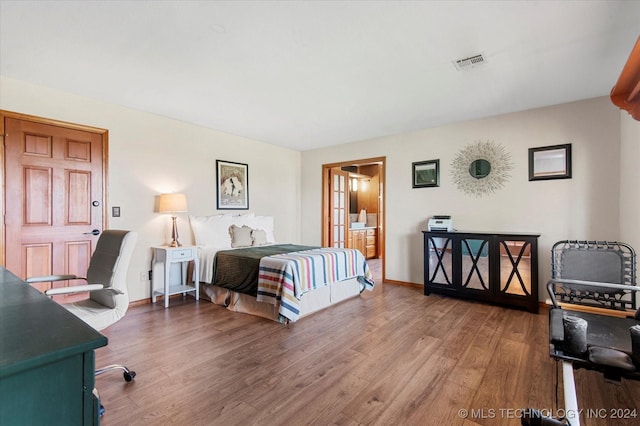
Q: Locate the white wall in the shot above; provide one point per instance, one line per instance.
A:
(584, 207)
(149, 155)
(630, 181)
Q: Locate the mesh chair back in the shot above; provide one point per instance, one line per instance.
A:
(595, 261)
(605, 266)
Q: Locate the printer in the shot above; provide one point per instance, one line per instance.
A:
(440, 223)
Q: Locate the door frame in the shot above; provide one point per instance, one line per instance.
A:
(41, 120)
(326, 214)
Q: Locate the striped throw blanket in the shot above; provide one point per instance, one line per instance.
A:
(284, 278)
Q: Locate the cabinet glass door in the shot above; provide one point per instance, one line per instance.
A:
(515, 267)
(475, 263)
(440, 266)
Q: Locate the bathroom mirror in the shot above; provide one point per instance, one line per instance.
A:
(480, 168)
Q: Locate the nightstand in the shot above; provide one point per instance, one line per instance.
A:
(168, 255)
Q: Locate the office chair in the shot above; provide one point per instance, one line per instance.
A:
(107, 286)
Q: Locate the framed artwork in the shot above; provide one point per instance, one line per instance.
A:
(550, 162)
(426, 174)
(233, 185)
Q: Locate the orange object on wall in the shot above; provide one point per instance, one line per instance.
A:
(626, 93)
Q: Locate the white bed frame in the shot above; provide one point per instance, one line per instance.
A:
(310, 302)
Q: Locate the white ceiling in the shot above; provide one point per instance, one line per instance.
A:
(308, 74)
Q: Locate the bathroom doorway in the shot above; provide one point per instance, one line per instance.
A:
(353, 207)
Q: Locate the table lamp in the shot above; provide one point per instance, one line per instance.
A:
(173, 203)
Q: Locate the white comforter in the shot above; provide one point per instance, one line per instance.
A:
(206, 257)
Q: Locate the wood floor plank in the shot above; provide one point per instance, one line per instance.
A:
(388, 382)
(392, 356)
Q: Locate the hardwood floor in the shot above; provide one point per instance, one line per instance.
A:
(388, 357)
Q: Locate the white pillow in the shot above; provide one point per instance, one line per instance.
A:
(266, 224)
(243, 219)
(212, 231)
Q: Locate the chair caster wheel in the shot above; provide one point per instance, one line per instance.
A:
(129, 376)
(101, 410)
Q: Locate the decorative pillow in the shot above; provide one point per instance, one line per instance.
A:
(266, 224)
(240, 237)
(259, 237)
(212, 231)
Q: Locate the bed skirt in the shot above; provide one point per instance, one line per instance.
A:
(310, 302)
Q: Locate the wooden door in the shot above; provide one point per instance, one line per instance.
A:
(54, 198)
(339, 207)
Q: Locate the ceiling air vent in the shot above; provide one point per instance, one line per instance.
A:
(470, 62)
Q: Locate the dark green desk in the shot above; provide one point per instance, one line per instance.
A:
(46, 359)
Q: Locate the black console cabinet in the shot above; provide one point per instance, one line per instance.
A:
(493, 267)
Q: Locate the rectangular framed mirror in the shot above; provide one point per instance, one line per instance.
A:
(426, 174)
(550, 162)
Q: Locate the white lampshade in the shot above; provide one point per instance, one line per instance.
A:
(172, 203)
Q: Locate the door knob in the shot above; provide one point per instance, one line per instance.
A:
(94, 232)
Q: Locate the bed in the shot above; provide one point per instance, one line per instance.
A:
(243, 268)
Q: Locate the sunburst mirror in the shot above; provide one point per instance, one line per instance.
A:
(481, 168)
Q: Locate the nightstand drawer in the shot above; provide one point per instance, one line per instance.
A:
(182, 254)
(371, 240)
(371, 232)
